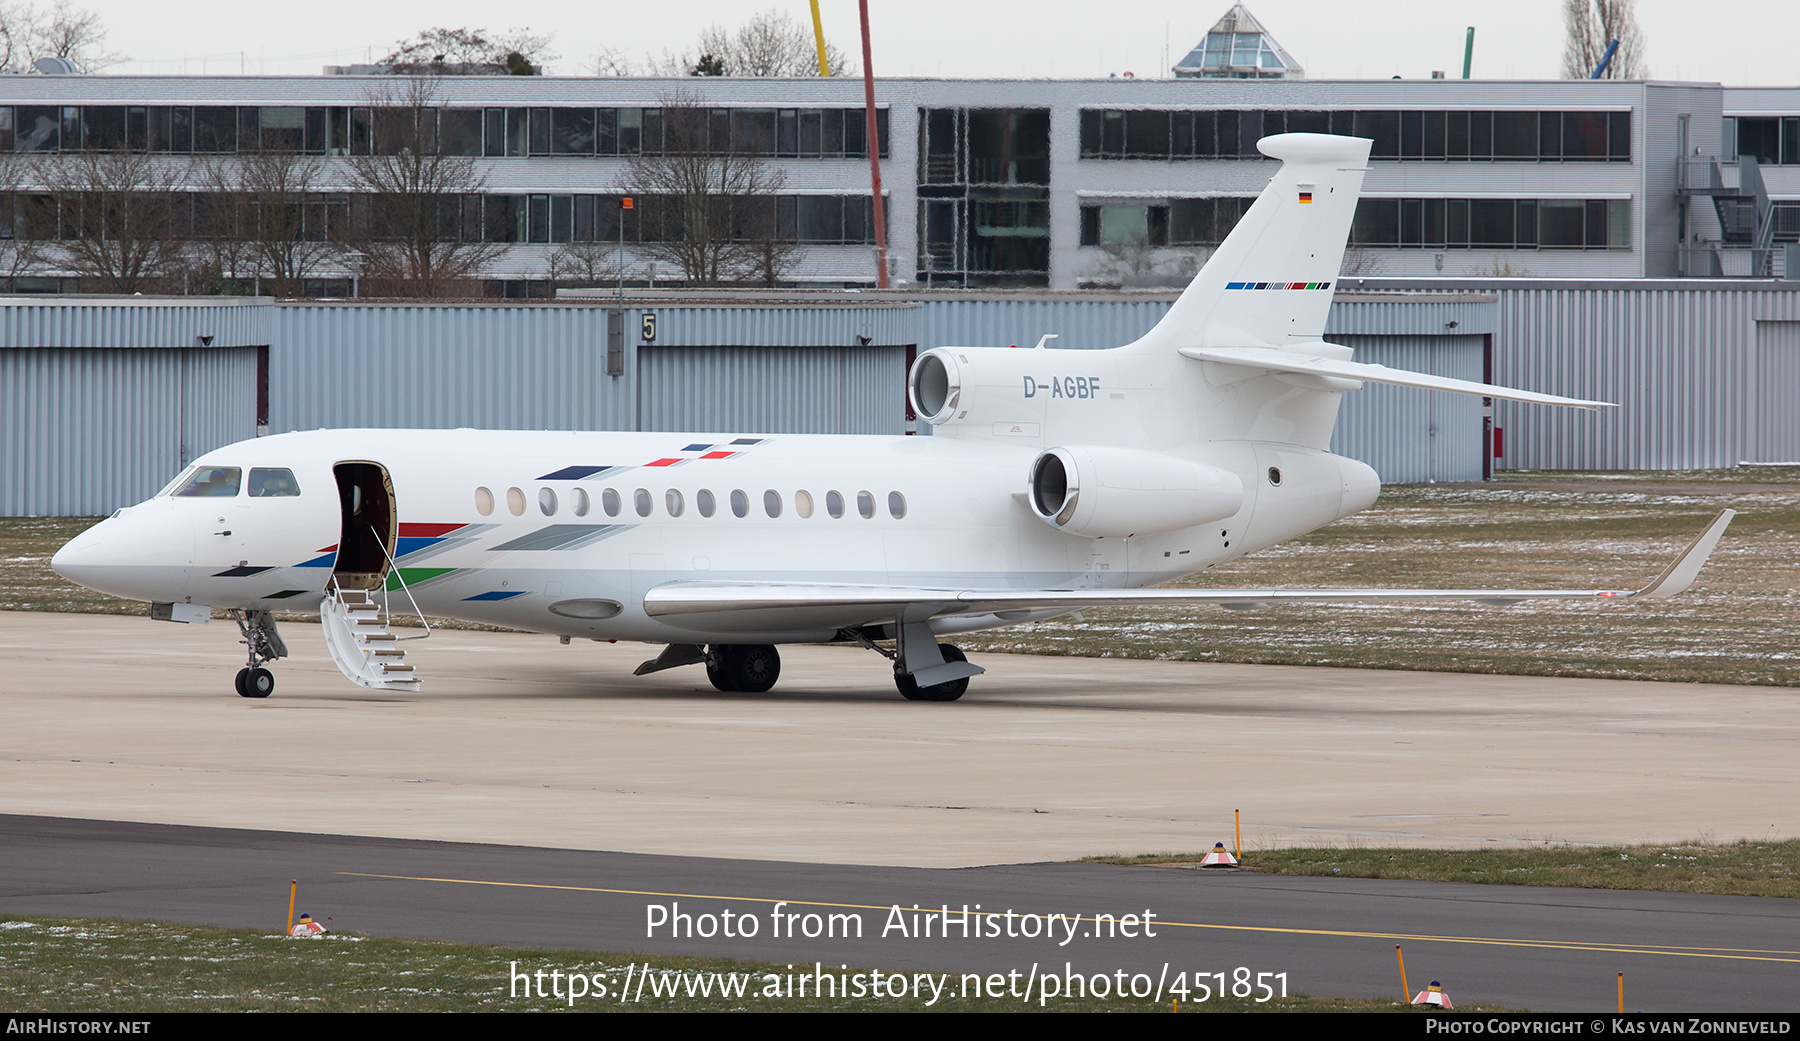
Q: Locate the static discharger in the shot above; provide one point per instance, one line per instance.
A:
(1219, 857)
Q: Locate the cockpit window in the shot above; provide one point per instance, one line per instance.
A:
(212, 482)
(267, 481)
(178, 481)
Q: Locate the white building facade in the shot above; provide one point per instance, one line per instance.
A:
(995, 184)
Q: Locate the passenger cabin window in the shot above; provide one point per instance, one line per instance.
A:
(834, 504)
(212, 482)
(547, 502)
(641, 499)
(803, 504)
(272, 482)
(515, 501)
(579, 502)
(484, 501)
(609, 501)
(740, 503)
(865, 505)
(673, 501)
(772, 503)
(897, 505)
(703, 501)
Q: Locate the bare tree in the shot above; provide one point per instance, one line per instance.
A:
(612, 62)
(220, 252)
(121, 218)
(22, 239)
(1360, 261)
(61, 31)
(583, 265)
(769, 44)
(1592, 25)
(266, 218)
(708, 206)
(416, 211)
(516, 52)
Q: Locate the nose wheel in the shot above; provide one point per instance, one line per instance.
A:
(264, 643)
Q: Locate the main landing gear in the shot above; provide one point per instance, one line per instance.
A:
(264, 643)
(911, 691)
(742, 668)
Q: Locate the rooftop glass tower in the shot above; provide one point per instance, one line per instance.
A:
(1238, 47)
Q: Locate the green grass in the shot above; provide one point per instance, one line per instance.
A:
(1742, 868)
(88, 965)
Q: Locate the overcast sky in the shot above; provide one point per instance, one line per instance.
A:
(1740, 41)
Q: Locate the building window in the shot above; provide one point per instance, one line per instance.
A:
(984, 198)
(1492, 224)
(1395, 135)
(1770, 140)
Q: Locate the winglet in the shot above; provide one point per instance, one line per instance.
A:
(1681, 573)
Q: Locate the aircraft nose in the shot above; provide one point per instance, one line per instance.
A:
(143, 553)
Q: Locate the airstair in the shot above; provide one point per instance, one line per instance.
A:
(361, 641)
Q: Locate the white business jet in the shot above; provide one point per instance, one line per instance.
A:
(1057, 480)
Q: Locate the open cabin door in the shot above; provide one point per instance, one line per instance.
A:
(368, 527)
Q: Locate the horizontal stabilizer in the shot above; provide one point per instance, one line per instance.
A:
(1279, 360)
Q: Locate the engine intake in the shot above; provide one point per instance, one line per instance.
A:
(935, 386)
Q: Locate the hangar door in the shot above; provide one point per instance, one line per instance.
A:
(1410, 435)
(1777, 392)
(86, 430)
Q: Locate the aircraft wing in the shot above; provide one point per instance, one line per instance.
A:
(1277, 360)
(755, 606)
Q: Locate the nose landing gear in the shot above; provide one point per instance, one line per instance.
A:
(255, 683)
(265, 645)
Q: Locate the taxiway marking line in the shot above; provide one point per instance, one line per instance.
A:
(1668, 950)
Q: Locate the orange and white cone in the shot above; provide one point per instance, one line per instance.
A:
(1219, 857)
(1433, 995)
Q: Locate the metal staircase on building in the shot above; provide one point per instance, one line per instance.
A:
(1746, 246)
(358, 635)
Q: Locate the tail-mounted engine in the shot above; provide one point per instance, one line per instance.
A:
(935, 386)
(982, 390)
(1104, 492)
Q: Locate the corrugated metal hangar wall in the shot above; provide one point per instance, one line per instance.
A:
(105, 399)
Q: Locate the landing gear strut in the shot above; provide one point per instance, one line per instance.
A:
(264, 644)
(742, 668)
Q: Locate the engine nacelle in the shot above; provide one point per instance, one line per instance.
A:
(935, 386)
(983, 391)
(1104, 492)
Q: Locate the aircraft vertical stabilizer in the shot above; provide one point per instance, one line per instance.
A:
(1270, 283)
